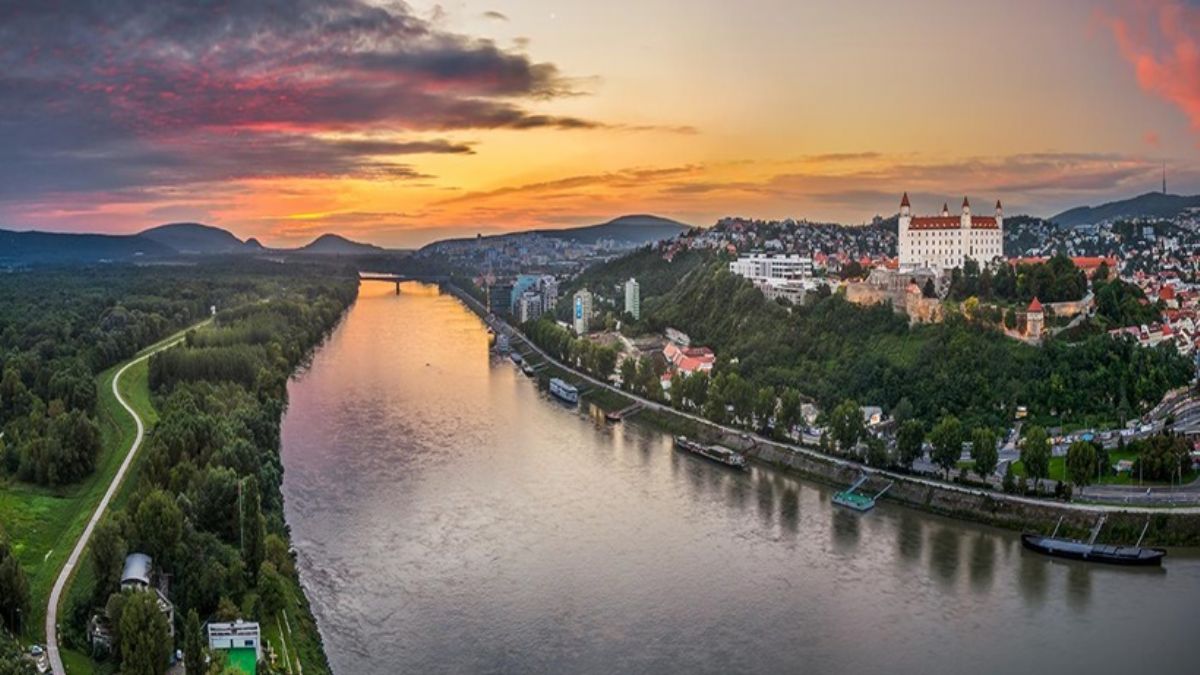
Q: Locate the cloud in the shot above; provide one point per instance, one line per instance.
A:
(1161, 40)
(110, 95)
(493, 14)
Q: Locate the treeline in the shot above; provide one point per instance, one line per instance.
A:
(655, 276)
(1056, 280)
(595, 359)
(206, 505)
(832, 350)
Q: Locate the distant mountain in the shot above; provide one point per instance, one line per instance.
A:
(56, 247)
(194, 238)
(638, 229)
(1151, 204)
(336, 244)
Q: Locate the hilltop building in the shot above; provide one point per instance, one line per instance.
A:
(581, 312)
(633, 299)
(764, 267)
(943, 242)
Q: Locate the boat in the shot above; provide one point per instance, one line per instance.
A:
(717, 453)
(1090, 551)
(502, 345)
(853, 499)
(516, 357)
(527, 369)
(564, 391)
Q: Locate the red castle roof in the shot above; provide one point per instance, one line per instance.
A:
(951, 223)
(904, 200)
(1035, 306)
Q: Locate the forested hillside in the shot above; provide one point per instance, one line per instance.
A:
(833, 350)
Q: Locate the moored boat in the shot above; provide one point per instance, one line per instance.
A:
(1090, 551)
(564, 391)
(717, 453)
(516, 357)
(527, 369)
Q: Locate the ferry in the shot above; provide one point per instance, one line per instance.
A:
(564, 391)
(717, 453)
(1090, 551)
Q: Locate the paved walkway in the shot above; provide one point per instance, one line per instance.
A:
(56, 664)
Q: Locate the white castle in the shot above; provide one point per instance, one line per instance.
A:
(943, 242)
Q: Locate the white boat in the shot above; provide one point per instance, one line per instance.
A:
(564, 391)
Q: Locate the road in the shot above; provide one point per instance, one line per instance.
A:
(56, 664)
(498, 324)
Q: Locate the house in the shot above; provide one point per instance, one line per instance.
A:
(688, 360)
(239, 642)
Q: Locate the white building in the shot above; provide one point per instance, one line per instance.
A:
(530, 306)
(944, 242)
(761, 266)
(633, 299)
(549, 292)
(236, 635)
(581, 311)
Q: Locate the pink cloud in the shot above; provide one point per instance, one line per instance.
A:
(1161, 40)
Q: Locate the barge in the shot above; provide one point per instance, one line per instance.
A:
(717, 453)
(1090, 551)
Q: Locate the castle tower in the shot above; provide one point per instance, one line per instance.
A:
(1034, 318)
(945, 210)
(902, 243)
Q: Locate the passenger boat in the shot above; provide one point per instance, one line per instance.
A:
(1090, 551)
(564, 391)
(717, 453)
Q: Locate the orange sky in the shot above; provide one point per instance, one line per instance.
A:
(461, 118)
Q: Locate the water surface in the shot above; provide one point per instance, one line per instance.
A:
(451, 518)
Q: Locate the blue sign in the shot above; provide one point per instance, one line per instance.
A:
(578, 308)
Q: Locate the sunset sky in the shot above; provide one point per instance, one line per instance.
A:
(400, 124)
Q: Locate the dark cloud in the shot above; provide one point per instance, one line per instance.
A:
(493, 14)
(113, 94)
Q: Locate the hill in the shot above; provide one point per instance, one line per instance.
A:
(1151, 204)
(55, 247)
(335, 244)
(194, 238)
(637, 229)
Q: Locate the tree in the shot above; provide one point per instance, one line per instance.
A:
(790, 411)
(877, 454)
(145, 641)
(108, 550)
(984, 452)
(764, 406)
(1035, 454)
(272, 589)
(846, 425)
(159, 525)
(1009, 484)
(1081, 463)
(947, 440)
(14, 591)
(193, 644)
(629, 370)
(903, 410)
(253, 526)
(909, 441)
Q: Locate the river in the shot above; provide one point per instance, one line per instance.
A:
(451, 518)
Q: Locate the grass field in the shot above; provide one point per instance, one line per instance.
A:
(42, 524)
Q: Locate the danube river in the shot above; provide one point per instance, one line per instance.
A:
(451, 518)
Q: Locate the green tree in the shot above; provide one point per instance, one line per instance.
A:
(947, 440)
(846, 425)
(107, 550)
(159, 525)
(1035, 454)
(877, 454)
(629, 371)
(145, 641)
(1081, 463)
(14, 591)
(272, 589)
(1009, 484)
(903, 410)
(984, 451)
(790, 411)
(909, 441)
(764, 406)
(193, 644)
(253, 525)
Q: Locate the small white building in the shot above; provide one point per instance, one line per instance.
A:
(762, 267)
(238, 634)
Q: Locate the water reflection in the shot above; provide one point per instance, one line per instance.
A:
(449, 517)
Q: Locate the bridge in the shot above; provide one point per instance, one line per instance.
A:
(385, 276)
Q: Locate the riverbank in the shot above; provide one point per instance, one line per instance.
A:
(1168, 526)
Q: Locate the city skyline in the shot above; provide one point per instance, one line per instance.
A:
(400, 125)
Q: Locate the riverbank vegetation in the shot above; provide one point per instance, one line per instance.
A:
(205, 500)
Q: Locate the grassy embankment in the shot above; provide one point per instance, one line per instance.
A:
(43, 524)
